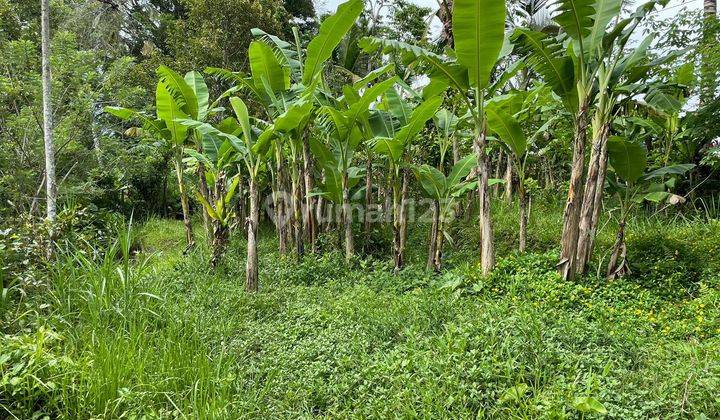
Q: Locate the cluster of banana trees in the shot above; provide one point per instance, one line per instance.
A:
(591, 67)
(281, 130)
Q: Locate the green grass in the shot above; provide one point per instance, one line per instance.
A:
(164, 337)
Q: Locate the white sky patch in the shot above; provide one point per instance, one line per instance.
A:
(672, 9)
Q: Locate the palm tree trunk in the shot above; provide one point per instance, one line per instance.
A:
(251, 267)
(51, 181)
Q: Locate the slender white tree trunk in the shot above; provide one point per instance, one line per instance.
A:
(51, 182)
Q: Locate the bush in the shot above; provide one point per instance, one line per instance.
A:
(30, 370)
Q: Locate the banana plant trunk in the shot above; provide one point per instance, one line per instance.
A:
(251, 264)
(404, 215)
(524, 213)
(310, 219)
(487, 252)
(297, 214)
(571, 215)
(288, 197)
(496, 175)
(455, 150)
(599, 190)
(347, 218)
(396, 198)
(204, 191)
(220, 232)
(388, 210)
(618, 265)
(320, 216)
(440, 238)
(508, 180)
(189, 238)
(587, 229)
(397, 214)
(432, 244)
(368, 199)
(241, 208)
(280, 202)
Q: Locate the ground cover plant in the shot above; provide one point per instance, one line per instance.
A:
(234, 208)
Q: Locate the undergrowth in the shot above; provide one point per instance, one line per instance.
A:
(157, 334)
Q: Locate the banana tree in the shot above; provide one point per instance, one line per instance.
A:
(175, 98)
(347, 122)
(633, 185)
(283, 82)
(513, 118)
(394, 143)
(446, 191)
(447, 127)
(251, 144)
(621, 80)
(330, 187)
(569, 63)
(220, 160)
(501, 119)
(479, 35)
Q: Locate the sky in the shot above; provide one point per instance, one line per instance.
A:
(674, 7)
